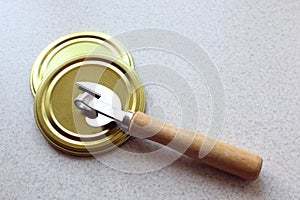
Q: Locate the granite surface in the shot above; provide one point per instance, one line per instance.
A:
(255, 46)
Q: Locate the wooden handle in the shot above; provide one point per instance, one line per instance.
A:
(217, 154)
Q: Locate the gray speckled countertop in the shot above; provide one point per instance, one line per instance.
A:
(254, 44)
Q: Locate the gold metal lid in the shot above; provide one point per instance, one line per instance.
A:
(75, 44)
(61, 122)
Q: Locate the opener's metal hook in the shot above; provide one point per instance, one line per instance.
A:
(91, 106)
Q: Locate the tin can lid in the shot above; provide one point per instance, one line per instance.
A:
(61, 122)
(76, 44)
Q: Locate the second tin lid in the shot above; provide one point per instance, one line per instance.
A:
(62, 123)
(81, 43)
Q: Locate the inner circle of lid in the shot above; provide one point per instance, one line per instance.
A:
(76, 44)
(61, 122)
